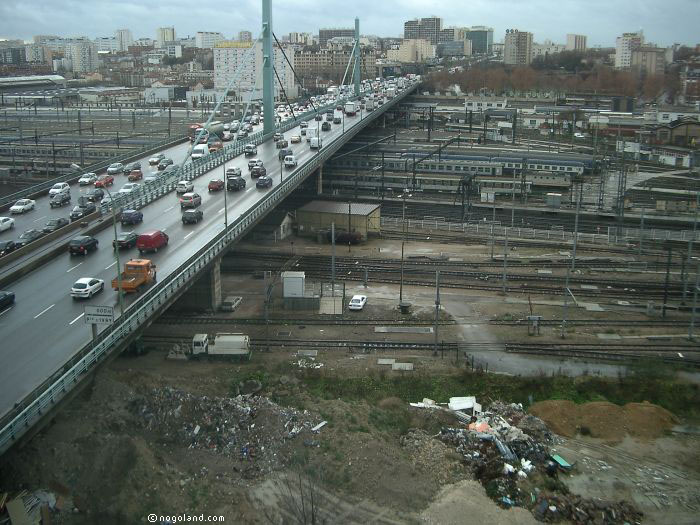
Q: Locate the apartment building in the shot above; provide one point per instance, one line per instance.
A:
(124, 39)
(412, 51)
(624, 45)
(576, 42)
(207, 39)
(163, 35)
(517, 48)
(648, 60)
(324, 35)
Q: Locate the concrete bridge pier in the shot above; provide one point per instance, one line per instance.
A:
(319, 180)
(205, 293)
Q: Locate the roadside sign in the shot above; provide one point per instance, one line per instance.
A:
(99, 314)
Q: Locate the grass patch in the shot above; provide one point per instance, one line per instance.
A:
(648, 382)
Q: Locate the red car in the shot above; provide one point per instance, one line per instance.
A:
(103, 181)
(216, 185)
(135, 175)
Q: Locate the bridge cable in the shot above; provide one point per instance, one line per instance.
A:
(296, 77)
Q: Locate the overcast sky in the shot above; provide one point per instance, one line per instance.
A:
(664, 22)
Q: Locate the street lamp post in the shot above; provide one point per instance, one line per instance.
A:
(225, 202)
(405, 194)
(120, 297)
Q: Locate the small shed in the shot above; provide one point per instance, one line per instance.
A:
(355, 217)
(293, 284)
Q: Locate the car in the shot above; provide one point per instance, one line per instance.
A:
(283, 153)
(337, 120)
(318, 117)
(357, 302)
(125, 240)
(131, 217)
(82, 245)
(579, 135)
(129, 187)
(59, 200)
(22, 206)
(303, 132)
(164, 164)
(115, 169)
(6, 299)
(135, 175)
(192, 216)
(87, 179)
(295, 139)
(329, 116)
(82, 210)
(7, 247)
(190, 200)
(326, 126)
(234, 171)
(155, 159)
(131, 167)
(242, 134)
(304, 125)
(290, 161)
(254, 162)
(55, 224)
(6, 223)
(235, 183)
(94, 194)
(281, 144)
(103, 181)
(86, 287)
(184, 186)
(258, 171)
(214, 145)
(250, 149)
(28, 236)
(264, 182)
(152, 241)
(107, 201)
(59, 187)
(339, 108)
(215, 185)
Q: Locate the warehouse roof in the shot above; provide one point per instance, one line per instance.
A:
(356, 208)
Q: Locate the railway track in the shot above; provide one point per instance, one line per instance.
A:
(671, 353)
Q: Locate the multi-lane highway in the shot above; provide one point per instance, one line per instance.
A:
(46, 326)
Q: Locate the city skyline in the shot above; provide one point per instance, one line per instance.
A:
(602, 21)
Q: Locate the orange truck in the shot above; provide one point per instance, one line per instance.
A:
(138, 273)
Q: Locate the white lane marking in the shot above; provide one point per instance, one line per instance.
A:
(37, 220)
(74, 320)
(74, 267)
(221, 210)
(108, 267)
(171, 207)
(188, 235)
(44, 311)
(6, 310)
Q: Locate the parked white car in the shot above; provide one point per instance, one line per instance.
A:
(129, 187)
(86, 287)
(357, 302)
(6, 223)
(87, 179)
(59, 187)
(22, 206)
(184, 186)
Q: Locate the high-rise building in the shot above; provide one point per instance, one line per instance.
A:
(12, 55)
(426, 29)
(245, 36)
(83, 55)
(649, 60)
(575, 42)
(231, 61)
(517, 50)
(107, 44)
(326, 34)
(38, 54)
(481, 38)
(163, 35)
(624, 45)
(207, 39)
(124, 39)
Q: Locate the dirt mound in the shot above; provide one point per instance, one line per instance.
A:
(391, 402)
(605, 420)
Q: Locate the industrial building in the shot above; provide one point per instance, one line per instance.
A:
(318, 216)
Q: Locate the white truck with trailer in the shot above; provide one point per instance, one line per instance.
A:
(225, 345)
(350, 109)
(311, 132)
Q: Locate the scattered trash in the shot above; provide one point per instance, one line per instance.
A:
(318, 427)
(309, 362)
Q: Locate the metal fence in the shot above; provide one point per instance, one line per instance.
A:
(613, 235)
(43, 399)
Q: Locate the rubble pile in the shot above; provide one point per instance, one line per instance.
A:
(508, 451)
(251, 427)
(430, 455)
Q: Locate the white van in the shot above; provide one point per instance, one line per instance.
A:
(199, 151)
(315, 143)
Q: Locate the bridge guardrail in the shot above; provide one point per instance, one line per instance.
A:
(153, 300)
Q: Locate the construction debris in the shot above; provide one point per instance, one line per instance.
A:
(251, 427)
